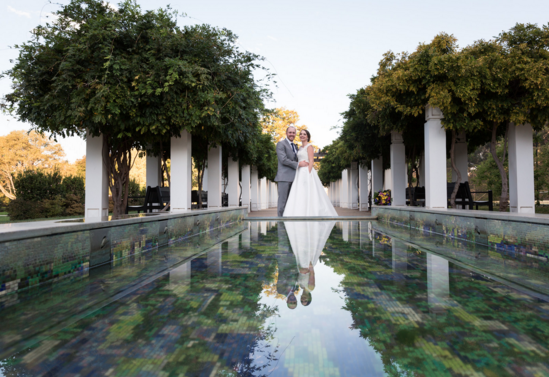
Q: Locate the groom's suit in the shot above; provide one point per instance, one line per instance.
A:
(286, 152)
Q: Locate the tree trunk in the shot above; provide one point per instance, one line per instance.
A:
(9, 190)
(119, 163)
(504, 198)
(410, 177)
(200, 167)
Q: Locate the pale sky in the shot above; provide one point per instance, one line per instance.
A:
(321, 50)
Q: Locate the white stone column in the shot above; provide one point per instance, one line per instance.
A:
(521, 169)
(273, 195)
(435, 160)
(181, 172)
(215, 171)
(233, 187)
(255, 190)
(334, 196)
(338, 193)
(344, 193)
(246, 192)
(398, 169)
(205, 180)
(377, 175)
(153, 170)
(364, 188)
(422, 170)
(263, 193)
(460, 155)
(353, 186)
(387, 180)
(97, 184)
(438, 281)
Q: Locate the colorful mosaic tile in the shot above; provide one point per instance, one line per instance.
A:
(29, 262)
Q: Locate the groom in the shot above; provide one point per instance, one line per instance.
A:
(286, 152)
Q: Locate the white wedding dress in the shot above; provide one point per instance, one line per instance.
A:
(307, 196)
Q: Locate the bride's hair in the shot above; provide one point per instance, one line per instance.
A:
(308, 135)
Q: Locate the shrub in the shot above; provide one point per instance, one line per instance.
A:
(20, 209)
(43, 194)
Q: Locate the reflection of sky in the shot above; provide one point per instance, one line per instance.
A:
(318, 338)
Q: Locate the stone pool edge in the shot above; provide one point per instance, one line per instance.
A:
(46, 255)
(514, 233)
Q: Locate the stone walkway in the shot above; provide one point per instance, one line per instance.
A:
(343, 212)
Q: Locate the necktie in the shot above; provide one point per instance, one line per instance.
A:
(293, 147)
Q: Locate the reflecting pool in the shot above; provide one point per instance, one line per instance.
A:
(287, 299)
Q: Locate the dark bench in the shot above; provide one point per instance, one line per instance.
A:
(418, 193)
(155, 198)
(464, 196)
(194, 199)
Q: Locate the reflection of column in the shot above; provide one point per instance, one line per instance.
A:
(345, 230)
(254, 231)
(371, 235)
(400, 260)
(181, 275)
(245, 238)
(233, 244)
(355, 232)
(214, 260)
(264, 227)
(364, 235)
(438, 280)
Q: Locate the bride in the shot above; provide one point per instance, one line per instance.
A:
(307, 195)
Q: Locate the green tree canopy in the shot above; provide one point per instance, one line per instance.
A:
(136, 78)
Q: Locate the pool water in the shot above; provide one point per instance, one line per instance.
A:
(285, 299)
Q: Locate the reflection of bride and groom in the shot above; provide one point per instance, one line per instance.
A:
(297, 260)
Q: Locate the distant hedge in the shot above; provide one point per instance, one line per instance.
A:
(46, 194)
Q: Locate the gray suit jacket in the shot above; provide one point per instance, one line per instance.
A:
(287, 162)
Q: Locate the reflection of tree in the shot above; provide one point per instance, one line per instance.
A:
(474, 334)
(269, 288)
(216, 325)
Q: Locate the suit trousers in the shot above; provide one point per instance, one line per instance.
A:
(283, 193)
